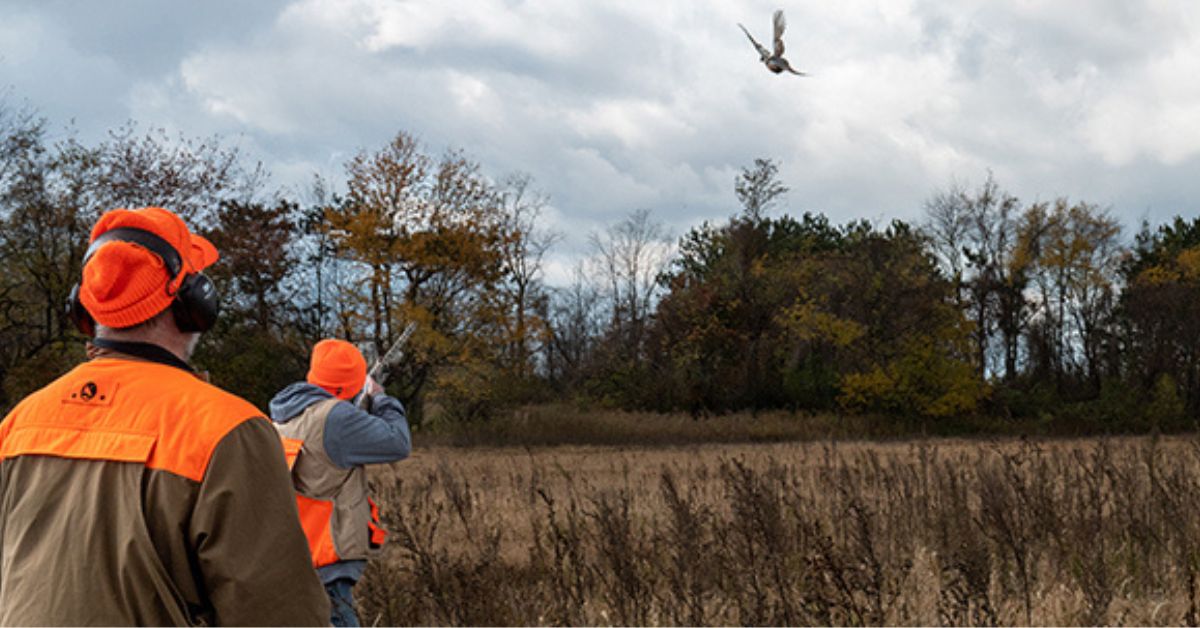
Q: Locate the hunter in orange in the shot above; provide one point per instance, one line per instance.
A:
(329, 440)
(131, 490)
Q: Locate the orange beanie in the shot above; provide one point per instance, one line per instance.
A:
(338, 367)
(125, 284)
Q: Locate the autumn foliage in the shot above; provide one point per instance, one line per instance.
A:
(986, 313)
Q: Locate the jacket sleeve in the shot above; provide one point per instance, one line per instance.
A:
(354, 436)
(251, 552)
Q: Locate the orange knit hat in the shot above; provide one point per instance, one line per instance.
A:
(338, 367)
(125, 284)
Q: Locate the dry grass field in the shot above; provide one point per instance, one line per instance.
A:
(913, 533)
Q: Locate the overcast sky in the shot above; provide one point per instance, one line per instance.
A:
(620, 105)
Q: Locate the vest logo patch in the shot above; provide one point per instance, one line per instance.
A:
(90, 392)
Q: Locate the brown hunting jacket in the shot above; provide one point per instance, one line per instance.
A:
(132, 492)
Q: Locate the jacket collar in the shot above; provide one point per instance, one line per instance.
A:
(106, 347)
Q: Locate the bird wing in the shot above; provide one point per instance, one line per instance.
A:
(762, 51)
(787, 66)
(779, 25)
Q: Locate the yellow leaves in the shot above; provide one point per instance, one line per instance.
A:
(463, 391)
(1185, 267)
(806, 322)
(1158, 276)
(961, 395)
(1069, 235)
(864, 390)
(921, 380)
(360, 233)
(1189, 263)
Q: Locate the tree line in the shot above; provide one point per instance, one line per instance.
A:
(987, 307)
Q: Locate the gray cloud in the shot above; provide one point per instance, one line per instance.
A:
(625, 105)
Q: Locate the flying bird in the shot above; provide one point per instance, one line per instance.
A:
(774, 62)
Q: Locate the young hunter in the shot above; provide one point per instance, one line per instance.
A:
(132, 492)
(331, 439)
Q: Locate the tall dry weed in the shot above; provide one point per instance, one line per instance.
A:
(1093, 532)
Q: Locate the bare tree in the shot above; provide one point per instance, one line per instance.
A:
(523, 256)
(575, 327)
(758, 188)
(20, 133)
(947, 222)
(629, 257)
(976, 238)
(190, 176)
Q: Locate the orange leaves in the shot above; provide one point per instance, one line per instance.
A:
(434, 238)
(420, 216)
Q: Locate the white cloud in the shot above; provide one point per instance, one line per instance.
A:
(638, 124)
(629, 104)
(1154, 114)
(540, 27)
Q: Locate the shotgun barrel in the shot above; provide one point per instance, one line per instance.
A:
(393, 355)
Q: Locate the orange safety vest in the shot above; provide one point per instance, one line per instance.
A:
(116, 410)
(340, 521)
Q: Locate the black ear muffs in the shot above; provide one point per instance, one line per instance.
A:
(79, 315)
(196, 304)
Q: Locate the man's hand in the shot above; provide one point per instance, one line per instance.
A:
(372, 387)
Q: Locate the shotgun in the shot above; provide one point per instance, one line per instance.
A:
(393, 355)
